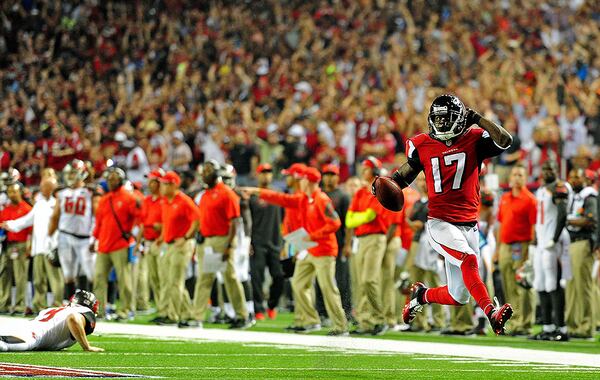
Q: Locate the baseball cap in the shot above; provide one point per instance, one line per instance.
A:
(178, 135)
(311, 174)
(372, 163)
(264, 168)
(330, 169)
(294, 169)
(170, 177)
(155, 174)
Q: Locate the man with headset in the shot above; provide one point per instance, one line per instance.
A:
(220, 212)
(115, 217)
(369, 220)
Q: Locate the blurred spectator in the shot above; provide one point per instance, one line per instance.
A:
(180, 154)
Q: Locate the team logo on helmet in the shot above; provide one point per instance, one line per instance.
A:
(85, 298)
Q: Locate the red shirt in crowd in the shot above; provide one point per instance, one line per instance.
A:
(12, 212)
(219, 205)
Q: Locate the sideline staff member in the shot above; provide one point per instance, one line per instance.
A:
(220, 208)
(180, 218)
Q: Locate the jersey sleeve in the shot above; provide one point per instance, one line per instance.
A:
(412, 155)
(486, 147)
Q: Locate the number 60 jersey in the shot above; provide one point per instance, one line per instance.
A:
(452, 172)
(75, 210)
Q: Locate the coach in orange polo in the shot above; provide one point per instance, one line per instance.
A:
(218, 222)
(150, 229)
(321, 221)
(14, 263)
(180, 219)
(516, 217)
(115, 216)
(370, 222)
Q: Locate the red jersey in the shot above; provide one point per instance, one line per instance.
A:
(452, 172)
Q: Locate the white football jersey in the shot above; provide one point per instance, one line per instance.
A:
(75, 211)
(3, 200)
(50, 329)
(547, 213)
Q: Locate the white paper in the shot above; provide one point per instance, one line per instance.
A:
(242, 259)
(301, 255)
(213, 261)
(297, 239)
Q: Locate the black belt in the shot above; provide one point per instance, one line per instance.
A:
(75, 235)
(464, 224)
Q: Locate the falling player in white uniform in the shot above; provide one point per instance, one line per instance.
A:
(56, 328)
(73, 217)
(554, 199)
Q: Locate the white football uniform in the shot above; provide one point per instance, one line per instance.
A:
(49, 331)
(546, 260)
(75, 227)
(454, 242)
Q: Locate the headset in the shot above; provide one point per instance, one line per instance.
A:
(376, 169)
(120, 172)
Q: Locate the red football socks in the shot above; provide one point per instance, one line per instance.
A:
(439, 295)
(476, 287)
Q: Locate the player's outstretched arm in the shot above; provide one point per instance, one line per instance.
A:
(501, 136)
(76, 324)
(405, 175)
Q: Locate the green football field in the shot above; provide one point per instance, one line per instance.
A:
(193, 358)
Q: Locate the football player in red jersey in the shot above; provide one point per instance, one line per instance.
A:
(451, 155)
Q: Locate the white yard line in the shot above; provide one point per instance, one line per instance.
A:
(345, 369)
(349, 343)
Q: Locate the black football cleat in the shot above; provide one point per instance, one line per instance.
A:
(414, 306)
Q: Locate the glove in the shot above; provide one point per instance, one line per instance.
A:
(472, 117)
(550, 244)
(373, 188)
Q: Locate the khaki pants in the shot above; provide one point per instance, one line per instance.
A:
(174, 297)
(323, 267)
(579, 290)
(431, 280)
(388, 288)
(6, 277)
(596, 303)
(141, 289)
(152, 258)
(104, 263)
(44, 273)
(18, 254)
(233, 287)
(461, 317)
(520, 298)
(371, 250)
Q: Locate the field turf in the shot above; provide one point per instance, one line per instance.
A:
(201, 359)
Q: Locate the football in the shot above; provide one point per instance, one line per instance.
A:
(388, 193)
